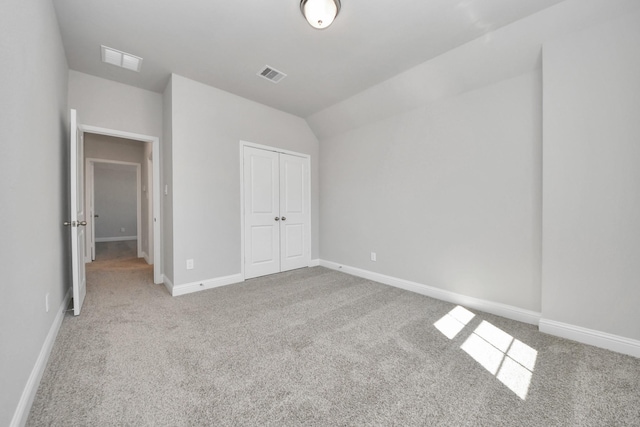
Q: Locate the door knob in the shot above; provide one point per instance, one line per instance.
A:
(284, 218)
(66, 223)
(277, 219)
(82, 223)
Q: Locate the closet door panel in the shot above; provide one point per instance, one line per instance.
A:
(261, 214)
(294, 212)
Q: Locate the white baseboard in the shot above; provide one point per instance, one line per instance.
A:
(116, 239)
(508, 311)
(29, 393)
(314, 262)
(146, 257)
(592, 337)
(167, 284)
(201, 285)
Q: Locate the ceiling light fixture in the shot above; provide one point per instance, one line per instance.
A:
(320, 13)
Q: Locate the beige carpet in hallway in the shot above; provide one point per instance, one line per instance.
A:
(116, 250)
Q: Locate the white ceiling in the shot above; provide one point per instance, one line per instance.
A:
(225, 43)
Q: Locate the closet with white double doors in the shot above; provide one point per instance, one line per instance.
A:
(276, 210)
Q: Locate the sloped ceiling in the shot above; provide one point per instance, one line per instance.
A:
(225, 43)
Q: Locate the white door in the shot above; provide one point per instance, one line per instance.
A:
(78, 222)
(277, 212)
(262, 212)
(294, 214)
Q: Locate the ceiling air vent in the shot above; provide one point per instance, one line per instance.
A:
(271, 74)
(120, 58)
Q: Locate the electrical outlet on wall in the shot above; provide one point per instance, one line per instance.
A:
(373, 256)
(190, 264)
(46, 302)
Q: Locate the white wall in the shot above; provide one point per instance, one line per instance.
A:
(207, 126)
(447, 196)
(591, 238)
(107, 104)
(33, 189)
(115, 193)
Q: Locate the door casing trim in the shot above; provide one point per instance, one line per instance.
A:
(157, 219)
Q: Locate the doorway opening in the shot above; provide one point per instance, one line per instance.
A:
(114, 197)
(148, 197)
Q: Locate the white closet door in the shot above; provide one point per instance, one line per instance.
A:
(262, 217)
(295, 227)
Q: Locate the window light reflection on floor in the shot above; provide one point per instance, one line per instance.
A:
(453, 322)
(510, 360)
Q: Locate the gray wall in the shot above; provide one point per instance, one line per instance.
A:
(591, 239)
(207, 126)
(33, 189)
(439, 169)
(447, 196)
(147, 202)
(123, 150)
(112, 148)
(115, 196)
(167, 182)
(116, 106)
(112, 105)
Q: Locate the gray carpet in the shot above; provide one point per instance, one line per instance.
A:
(314, 347)
(116, 250)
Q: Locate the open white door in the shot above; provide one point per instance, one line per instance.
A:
(78, 221)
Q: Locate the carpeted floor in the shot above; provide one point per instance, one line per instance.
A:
(116, 250)
(315, 347)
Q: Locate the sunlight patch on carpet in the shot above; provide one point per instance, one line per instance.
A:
(510, 360)
(453, 322)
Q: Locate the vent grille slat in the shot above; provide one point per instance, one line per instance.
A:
(271, 74)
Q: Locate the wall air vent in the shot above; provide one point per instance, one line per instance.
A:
(121, 59)
(271, 74)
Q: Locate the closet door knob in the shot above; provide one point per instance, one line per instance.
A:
(277, 219)
(284, 218)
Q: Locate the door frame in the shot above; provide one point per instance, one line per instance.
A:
(150, 254)
(155, 150)
(90, 201)
(244, 144)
